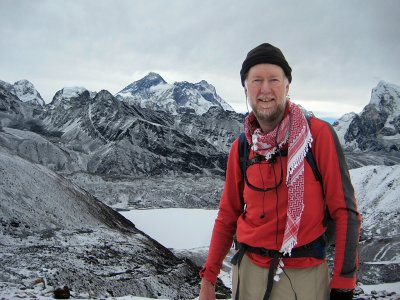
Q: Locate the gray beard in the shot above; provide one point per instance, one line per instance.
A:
(271, 117)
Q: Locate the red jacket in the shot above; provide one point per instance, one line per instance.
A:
(267, 232)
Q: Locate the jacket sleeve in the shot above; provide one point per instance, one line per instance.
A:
(230, 208)
(341, 202)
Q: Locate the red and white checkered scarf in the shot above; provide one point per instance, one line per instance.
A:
(295, 132)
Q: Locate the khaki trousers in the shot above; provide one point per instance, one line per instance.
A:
(305, 283)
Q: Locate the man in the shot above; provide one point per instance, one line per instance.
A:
(276, 208)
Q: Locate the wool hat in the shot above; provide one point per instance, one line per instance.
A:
(265, 54)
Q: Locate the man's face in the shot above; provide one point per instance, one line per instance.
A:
(266, 90)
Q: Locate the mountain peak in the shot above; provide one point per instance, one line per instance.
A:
(153, 92)
(26, 92)
(68, 93)
(153, 76)
(205, 83)
(376, 127)
(105, 96)
(23, 82)
(152, 79)
(386, 95)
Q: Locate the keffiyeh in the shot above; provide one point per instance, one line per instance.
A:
(295, 132)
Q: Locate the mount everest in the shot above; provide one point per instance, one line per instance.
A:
(155, 93)
(154, 145)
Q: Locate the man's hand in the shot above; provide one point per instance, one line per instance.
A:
(207, 290)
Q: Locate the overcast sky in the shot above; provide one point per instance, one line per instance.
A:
(338, 50)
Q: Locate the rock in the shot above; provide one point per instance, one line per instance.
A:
(62, 293)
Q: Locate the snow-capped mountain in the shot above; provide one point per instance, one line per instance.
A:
(373, 136)
(67, 94)
(25, 91)
(153, 92)
(120, 139)
(14, 112)
(377, 127)
(98, 135)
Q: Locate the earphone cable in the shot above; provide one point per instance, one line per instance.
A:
(291, 284)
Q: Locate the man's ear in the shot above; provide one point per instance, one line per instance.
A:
(245, 91)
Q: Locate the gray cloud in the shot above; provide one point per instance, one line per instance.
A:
(338, 50)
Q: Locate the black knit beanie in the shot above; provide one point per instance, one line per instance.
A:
(265, 54)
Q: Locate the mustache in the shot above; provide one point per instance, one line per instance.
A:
(266, 98)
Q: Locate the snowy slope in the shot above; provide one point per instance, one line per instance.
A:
(52, 229)
(378, 196)
(378, 187)
(342, 124)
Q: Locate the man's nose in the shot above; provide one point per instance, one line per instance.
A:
(265, 87)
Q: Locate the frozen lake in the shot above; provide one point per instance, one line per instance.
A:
(176, 228)
(180, 228)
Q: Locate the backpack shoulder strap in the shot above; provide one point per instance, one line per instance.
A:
(309, 155)
(243, 155)
(311, 161)
(329, 235)
(243, 152)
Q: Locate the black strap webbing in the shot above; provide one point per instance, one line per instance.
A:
(314, 249)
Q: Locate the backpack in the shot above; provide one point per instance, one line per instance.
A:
(244, 150)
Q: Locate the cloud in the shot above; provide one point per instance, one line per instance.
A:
(338, 50)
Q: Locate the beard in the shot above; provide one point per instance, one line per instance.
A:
(269, 116)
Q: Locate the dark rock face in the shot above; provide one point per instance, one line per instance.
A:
(374, 133)
(9, 103)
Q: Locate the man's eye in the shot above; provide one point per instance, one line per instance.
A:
(274, 81)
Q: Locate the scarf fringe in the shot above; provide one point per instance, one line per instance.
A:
(288, 246)
(298, 159)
